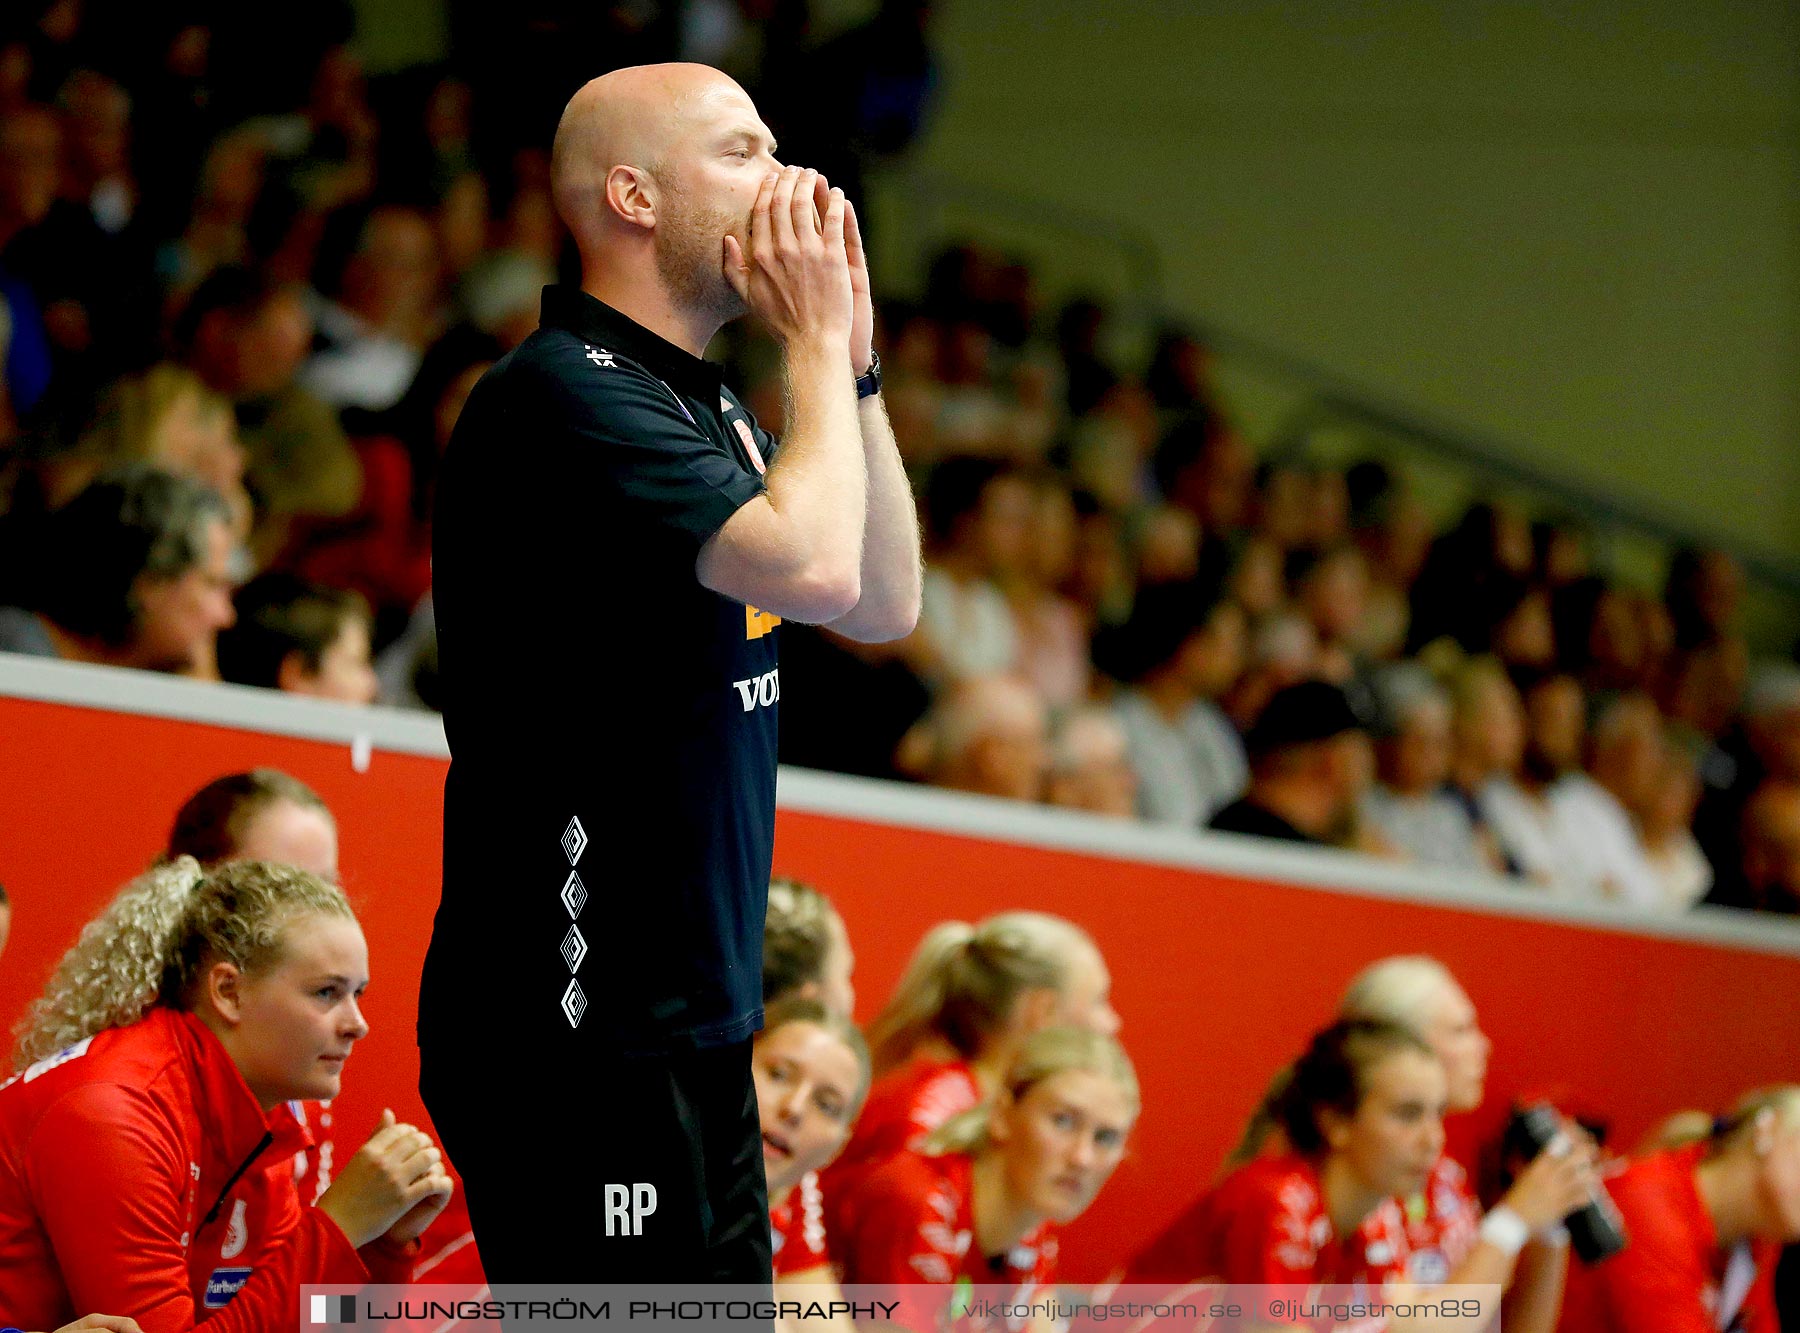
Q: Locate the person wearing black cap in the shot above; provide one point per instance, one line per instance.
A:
(1309, 765)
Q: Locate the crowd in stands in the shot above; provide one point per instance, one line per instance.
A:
(941, 1150)
(244, 302)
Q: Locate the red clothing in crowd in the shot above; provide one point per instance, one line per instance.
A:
(902, 1108)
(797, 1227)
(1266, 1223)
(1673, 1274)
(140, 1176)
(912, 1222)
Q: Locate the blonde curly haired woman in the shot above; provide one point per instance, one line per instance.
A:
(145, 1142)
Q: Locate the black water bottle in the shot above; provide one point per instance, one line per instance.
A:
(1596, 1231)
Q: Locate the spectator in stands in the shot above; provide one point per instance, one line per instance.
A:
(1489, 544)
(1284, 511)
(1763, 747)
(84, 282)
(247, 339)
(1181, 651)
(968, 999)
(980, 517)
(1284, 651)
(988, 735)
(1488, 740)
(1362, 1115)
(1257, 581)
(806, 949)
(259, 815)
(1408, 805)
(1090, 765)
(1558, 826)
(1666, 824)
(134, 571)
(301, 638)
(204, 1002)
(1704, 594)
(1767, 872)
(1332, 588)
(984, 1199)
(1205, 467)
(1707, 1222)
(811, 1071)
(1512, 619)
(165, 416)
(1052, 638)
(384, 313)
(1309, 768)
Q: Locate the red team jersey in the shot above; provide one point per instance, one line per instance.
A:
(1266, 1224)
(1671, 1276)
(797, 1228)
(114, 1153)
(1442, 1222)
(902, 1108)
(912, 1222)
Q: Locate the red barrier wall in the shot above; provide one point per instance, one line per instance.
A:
(1219, 976)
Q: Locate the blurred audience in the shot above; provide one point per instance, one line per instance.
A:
(134, 571)
(295, 636)
(280, 277)
(1310, 768)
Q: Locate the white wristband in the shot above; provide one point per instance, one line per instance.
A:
(1505, 1230)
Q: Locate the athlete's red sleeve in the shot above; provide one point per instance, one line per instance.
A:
(904, 1245)
(1257, 1237)
(1645, 1286)
(110, 1184)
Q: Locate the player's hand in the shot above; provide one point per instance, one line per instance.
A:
(383, 1185)
(110, 1323)
(862, 315)
(1559, 1180)
(795, 275)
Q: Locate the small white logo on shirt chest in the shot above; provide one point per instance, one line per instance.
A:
(601, 357)
(760, 691)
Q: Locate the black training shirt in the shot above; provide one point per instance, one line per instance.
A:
(610, 810)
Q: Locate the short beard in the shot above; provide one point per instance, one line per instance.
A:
(690, 257)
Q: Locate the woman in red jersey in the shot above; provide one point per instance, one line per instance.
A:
(812, 1072)
(969, 997)
(1443, 1219)
(981, 1203)
(146, 1144)
(1706, 1223)
(1362, 1116)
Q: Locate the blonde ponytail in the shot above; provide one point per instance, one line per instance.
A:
(964, 980)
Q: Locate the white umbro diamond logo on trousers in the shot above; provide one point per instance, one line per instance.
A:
(574, 895)
(574, 949)
(574, 841)
(574, 1004)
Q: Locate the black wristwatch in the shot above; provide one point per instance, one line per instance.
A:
(868, 384)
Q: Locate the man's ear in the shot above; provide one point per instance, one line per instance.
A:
(222, 986)
(631, 196)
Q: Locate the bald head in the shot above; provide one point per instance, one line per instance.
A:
(638, 119)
